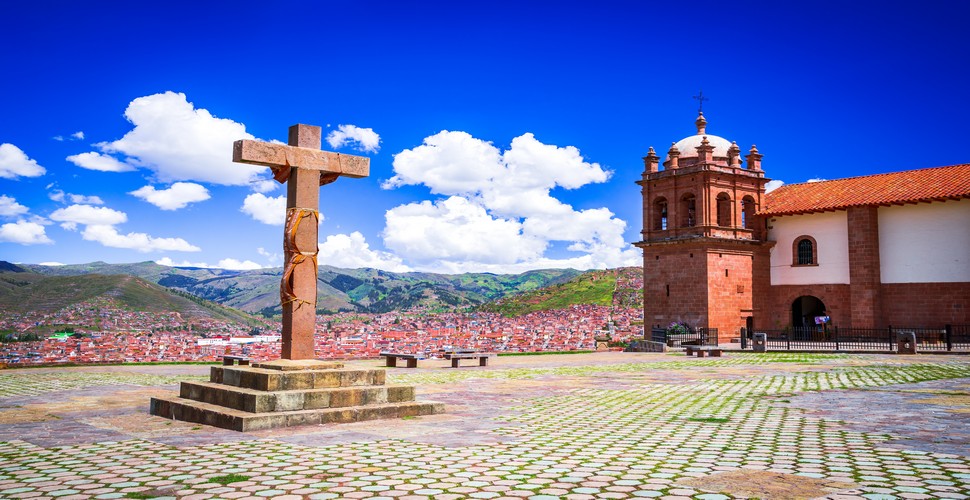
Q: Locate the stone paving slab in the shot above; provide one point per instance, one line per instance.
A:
(603, 425)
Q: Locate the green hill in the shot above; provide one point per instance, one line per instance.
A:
(27, 291)
(591, 287)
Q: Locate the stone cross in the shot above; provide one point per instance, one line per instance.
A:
(306, 168)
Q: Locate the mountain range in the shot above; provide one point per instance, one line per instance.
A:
(257, 291)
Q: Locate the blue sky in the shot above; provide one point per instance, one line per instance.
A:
(503, 136)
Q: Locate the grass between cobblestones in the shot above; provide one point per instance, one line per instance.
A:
(641, 441)
(19, 383)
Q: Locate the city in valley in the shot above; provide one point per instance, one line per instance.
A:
(98, 331)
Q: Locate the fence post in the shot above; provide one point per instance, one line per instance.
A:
(744, 337)
(948, 335)
(891, 338)
(836, 333)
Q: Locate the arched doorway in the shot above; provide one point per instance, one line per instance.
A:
(804, 310)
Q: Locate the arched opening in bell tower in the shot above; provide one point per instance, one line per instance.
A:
(660, 214)
(747, 212)
(724, 210)
(688, 206)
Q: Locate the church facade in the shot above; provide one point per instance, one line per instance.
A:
(719, 252)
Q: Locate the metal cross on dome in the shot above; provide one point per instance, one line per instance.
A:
(700, 101)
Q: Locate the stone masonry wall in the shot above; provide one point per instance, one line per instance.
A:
(675, 286)
(729, 291)
(864, 281)
(930, 305)
(780, 297)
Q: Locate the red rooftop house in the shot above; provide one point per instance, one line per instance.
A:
(867, 252)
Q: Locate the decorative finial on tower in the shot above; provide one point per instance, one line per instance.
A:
(734, 155)
(701, 124)
(754, 158)
(651, 162)
(673, 157)
(705, 152)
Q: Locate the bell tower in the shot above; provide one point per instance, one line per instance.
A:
(703, 248)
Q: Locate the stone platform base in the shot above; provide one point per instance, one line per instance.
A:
(288, 393)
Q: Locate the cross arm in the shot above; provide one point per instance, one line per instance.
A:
(281, 158)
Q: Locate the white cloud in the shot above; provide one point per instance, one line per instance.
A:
(88, 215)
(266, 209)
(15, 163)
(180, 142)
(500, 215)
(110, 237)
(361, 139)
(459, 230)
(76, 136)
(10, 208)
(25, 233)
(233, 264)
(89, 200)
(351, 251)
(448, 163)
(99, 226)
(273, 258)
(53, 264)
(99, 162)
(237, 265)
(817, 179)
(59, 196)
(167, 261)
(264, 186)
(177, 196)
(773, 185)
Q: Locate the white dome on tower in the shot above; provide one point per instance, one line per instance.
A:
(688, 145)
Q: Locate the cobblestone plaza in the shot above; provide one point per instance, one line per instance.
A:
(604, 425)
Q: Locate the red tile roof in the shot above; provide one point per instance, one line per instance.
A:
(896, 188)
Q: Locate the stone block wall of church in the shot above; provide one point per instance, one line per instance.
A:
(761, 286)
(864, 281)
(915, 305)
(675, 286)
(729, 291)
(929, 305)
(778, 304)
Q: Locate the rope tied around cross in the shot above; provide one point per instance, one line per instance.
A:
(294, 216)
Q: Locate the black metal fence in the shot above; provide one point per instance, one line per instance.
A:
(833, 338)
(693, 336)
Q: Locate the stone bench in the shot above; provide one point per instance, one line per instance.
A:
(482, 357)
(712, 351)
(234, 360)
(392, 357)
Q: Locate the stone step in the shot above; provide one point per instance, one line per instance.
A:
(187, 410)
(255, 401)
(262, 379)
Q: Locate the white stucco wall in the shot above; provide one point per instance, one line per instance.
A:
(830, 230)
(925, 243)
